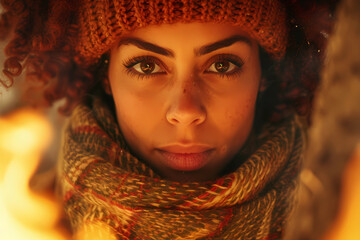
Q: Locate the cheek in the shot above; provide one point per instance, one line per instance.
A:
(137, 111)
(239, 109)
(236, 120)
(240, 116)
(133, 113)
(240, 103)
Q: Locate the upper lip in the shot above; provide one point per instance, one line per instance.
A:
(178, 148)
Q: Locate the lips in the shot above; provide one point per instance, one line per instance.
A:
(185, 158)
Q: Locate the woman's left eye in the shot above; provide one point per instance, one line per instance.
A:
(223, 66)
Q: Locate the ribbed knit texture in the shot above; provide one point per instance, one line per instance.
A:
(102, 182)
(102, 22)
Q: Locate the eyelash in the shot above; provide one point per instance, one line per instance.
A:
(130, 63)
(233, 59)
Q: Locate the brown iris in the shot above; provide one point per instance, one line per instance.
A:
(222, 66)
(147, 67)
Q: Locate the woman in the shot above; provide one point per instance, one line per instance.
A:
(183, 123)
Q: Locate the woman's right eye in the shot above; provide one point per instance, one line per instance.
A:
(144, 65)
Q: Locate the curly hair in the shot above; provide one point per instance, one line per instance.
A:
(42, 45)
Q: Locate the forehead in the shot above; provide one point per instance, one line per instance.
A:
(188, 35)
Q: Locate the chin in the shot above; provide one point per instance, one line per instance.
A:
(188, 176)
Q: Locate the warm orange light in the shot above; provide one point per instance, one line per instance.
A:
(24, 136)
(95, 231)
(24, 215)
(346, 225)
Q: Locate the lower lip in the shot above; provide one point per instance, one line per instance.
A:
(186, 161)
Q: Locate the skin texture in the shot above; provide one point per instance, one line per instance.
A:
(184, 108)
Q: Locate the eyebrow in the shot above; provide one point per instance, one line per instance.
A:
(198, 52)
(147, 46)
(221, 44)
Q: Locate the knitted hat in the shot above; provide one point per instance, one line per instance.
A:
(101, 22)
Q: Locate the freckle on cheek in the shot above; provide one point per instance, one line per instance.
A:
(223, 149)
(249, 103)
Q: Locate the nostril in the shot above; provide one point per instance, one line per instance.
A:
(173, 120)
(197, 121)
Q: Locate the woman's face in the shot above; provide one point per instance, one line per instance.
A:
(185, 96)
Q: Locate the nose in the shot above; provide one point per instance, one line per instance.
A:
(186, 107)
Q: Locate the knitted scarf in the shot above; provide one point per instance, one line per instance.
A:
(101, 181)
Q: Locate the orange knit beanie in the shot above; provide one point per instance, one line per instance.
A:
(101, 22)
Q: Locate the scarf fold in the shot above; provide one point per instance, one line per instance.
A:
(102, 182)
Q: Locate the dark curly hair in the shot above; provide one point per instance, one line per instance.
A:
(43, 35)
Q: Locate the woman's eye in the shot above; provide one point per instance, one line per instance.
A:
(222, 67)
(147, 67)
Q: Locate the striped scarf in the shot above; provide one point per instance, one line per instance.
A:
(101, 182)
